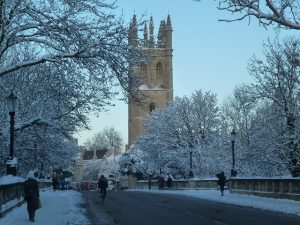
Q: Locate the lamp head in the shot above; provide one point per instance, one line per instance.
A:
(11, 102)
(233, 135)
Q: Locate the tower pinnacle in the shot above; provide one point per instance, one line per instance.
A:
(134, 32)
(145, 35)
(168, 33)
(151, 31)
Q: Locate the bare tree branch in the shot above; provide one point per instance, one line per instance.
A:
(283, 13)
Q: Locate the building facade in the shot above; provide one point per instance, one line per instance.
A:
(156, 75)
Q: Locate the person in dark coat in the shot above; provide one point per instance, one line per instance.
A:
(149, 182)
(102, 185)
(161, 182)
(169, 182)
(54, 181)
(221, 181)
(31, 189)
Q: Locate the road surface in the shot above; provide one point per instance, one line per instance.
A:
(139, 208)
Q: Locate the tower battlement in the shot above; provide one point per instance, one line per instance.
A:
(164, 36)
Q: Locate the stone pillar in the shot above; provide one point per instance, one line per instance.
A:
(78, 168)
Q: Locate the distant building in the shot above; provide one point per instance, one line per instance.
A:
(84, 156)
(156, 75)
(93, 153)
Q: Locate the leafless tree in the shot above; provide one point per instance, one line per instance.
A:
(108, 138)
(277, 80)
(284, 13)
(238, 111)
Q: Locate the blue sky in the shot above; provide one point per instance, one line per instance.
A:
(207, 54)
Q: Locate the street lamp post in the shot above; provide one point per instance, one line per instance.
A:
(42, 171)
(11, 164)
(233, 137)
(191, 166)
(35, 155)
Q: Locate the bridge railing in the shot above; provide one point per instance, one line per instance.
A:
(182, 184)
(272, 187)
(12, 195)
(287, 188)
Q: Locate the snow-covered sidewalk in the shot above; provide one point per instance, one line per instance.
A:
(277, 205)
(58, 208)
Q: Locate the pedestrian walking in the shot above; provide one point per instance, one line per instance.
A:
(149, 182)
(221, 181)
(54, 181)
(169, 182)
(102, 185)
(31, 189)
(161, 182)
(62, 182)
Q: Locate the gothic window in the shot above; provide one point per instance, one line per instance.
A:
(143, 69)
(151, 107)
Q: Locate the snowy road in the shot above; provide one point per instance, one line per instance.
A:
(137, 207)
(142, 208)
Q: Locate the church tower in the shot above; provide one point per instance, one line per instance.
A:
(156, 74)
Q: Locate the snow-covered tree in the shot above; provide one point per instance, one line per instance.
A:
(113, 137)
(44, 116)
(43, 149)
(205, 113)
(108, 138)
(262, 156)
(63, 59)
(277, 82)
(132, 162)
(82, 33)
(184, 126)
(257, 134)
(238, 112)
(265, 113)
(281, 13)
(91, 170)
(110, 166)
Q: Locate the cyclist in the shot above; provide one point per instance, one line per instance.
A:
(102, 185)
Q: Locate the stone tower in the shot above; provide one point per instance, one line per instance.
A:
(156, 74)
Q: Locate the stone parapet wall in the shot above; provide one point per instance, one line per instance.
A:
(183, 184)
(12, 195)
(273, 188)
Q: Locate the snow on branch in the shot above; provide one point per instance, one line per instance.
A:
(52, 58)
(283, 13)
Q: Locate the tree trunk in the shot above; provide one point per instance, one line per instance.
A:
(293, 148)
